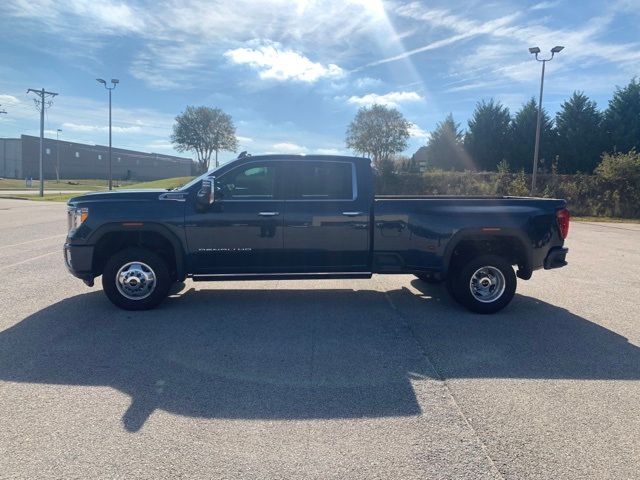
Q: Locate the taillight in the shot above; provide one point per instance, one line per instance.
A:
(563, 218)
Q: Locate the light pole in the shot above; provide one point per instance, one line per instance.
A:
(114, 82)
(536, 51)
(58, 155)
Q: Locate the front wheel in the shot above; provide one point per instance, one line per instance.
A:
(485, 284)
(136, 279)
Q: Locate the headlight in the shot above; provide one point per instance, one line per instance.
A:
(76, 216)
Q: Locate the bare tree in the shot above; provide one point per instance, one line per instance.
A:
(378, 132)
(205, 131)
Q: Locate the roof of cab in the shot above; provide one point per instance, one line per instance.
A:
(276, 156)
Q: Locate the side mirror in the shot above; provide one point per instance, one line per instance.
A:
(207, 193)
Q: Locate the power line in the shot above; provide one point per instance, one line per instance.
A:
(45, 101)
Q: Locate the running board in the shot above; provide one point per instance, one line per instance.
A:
(279, 276)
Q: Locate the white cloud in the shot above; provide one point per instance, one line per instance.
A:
(463, 28)
(242, 139)
(545, 5)
(287, 147)
(329, 151)
(390, 99)
(201, 30)
(108, 14)
(366, 82)
(163, 146)
(98, 128)
(418, 133)
(97, 17)
(8, 100)
(518, 35)
(502, 59)
(272, 61)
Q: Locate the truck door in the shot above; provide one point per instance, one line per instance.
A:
(326, 225)
(242, 231)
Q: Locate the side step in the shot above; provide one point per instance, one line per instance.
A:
(279, 276)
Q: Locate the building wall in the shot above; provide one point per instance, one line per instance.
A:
(10, 158)
(91, 161)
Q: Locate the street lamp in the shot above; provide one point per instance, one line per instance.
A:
(115, 82)
(58, 155)
(535, 51)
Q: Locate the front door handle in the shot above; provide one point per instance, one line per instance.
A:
(268, 214)
(352, 214)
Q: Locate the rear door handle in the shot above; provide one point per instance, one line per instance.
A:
(268, 214)
(352, 214)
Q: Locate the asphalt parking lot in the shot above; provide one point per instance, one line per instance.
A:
(382, 378)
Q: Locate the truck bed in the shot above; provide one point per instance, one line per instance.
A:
(421, 231)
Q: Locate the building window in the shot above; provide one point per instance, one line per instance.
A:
(77, 154)
(48, 150)
(119, 159)
(99, 157)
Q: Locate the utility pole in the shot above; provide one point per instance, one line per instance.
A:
(44, 102)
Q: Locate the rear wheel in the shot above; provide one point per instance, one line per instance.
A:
(484, 284)
(136, 279)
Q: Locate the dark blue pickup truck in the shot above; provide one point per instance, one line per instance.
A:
(295, 217)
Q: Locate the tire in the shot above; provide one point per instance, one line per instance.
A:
(484, 284)
(428, 278)
(127, 279)
(450, 283)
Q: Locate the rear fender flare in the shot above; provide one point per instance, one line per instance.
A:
(479, 233)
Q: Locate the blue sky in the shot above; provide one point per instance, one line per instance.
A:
(293, 73)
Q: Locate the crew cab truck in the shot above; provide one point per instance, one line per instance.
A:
(296, 217)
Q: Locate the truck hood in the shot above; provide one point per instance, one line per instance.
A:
(146, 194)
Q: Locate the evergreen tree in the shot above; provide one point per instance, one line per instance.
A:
(580, 139)
(523, 136)
(488, 134)
(622, 118)
(444, 149)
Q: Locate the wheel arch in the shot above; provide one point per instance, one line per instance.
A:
(113, 237)
(476, 241)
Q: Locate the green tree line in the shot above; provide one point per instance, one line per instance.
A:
(572, 142)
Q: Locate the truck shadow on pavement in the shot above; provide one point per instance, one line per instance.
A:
(301, 354)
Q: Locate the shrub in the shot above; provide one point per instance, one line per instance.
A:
(620, 173)
(613, 191)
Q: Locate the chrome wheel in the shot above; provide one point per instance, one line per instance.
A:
(487, 284)
(135, 280)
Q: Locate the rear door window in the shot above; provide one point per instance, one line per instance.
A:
(320, 181)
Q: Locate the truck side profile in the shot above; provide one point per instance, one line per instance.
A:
(289, 217)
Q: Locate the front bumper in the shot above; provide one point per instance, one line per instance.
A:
(556, 258)
(79, 261)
